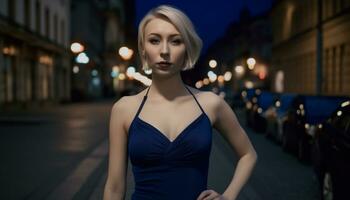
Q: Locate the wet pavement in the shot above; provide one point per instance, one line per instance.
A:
(40, 148)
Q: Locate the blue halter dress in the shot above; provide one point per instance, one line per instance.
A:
(169, 170)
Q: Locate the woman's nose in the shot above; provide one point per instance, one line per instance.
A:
(164, 49)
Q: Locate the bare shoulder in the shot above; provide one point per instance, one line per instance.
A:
(209, 101)
(209, 98)
(128, 102)
(126, 107)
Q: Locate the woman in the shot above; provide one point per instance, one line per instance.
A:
(166, 129)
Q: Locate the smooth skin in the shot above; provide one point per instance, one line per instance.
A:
(168, 94)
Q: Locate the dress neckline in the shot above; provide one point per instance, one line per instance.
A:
(183, 132)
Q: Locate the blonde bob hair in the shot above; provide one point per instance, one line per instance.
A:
(183, 24)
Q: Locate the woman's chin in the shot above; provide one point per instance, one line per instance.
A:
(162, 70)
(163, 74)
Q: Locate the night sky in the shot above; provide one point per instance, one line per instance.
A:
(209, 19)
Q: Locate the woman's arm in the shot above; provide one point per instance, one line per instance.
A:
(226, 123)
(117, 165)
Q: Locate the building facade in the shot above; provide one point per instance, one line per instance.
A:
(101, 27)
(250, 37)
(34, 61)
(295, 46)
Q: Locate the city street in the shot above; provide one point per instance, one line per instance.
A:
(60, 153)
(40, 149)
(62, 63)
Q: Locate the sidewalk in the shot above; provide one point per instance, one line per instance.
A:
(39, 113)
(79, 184)
(50, 147)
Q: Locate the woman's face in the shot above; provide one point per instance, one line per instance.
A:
(164, 48)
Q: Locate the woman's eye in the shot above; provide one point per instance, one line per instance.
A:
(177, 42)
(153, 41)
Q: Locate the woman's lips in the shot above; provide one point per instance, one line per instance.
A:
(164, 65)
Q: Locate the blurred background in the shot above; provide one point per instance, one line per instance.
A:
(282, 65)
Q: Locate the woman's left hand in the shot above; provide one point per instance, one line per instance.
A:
(210, 195)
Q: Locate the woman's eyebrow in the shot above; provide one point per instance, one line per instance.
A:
(157, 34)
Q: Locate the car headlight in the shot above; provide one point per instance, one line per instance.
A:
(248, 105)
(259, 110)
(310, 130)
(307, 126)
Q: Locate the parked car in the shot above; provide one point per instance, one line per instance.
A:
(237, 100)
(331, 154)
(248, 94)
(249, 99)
(305, 114)
(276, 116)
(258, 113)
(227, 94)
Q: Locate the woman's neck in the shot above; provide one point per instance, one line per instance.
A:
(168, 88)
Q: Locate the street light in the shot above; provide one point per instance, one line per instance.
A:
(199, 84)
(10, 50)
(76, 47)
(210, 74)
(249, 84)
(94, 72)
(213, 78)
(76, 69)
(221, 79)
(251, 63)
(125, 53)
(121, 76)
(148, 71)
(115, 71)
(82, 58)
(213, 63)
(130, 71)
(206, 81)
(227, 76)
(239, 70)
(116, 68)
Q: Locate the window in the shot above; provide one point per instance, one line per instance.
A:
(63, 31)
(27, 13)
(62, 2)
(333, 68)
(11, 9)
(330, 8)
(342, 5)
(325, 71)
(38, 16)
(336, 6)
(341, 67)
(47, 25)
(324, 9)
(55, 27)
